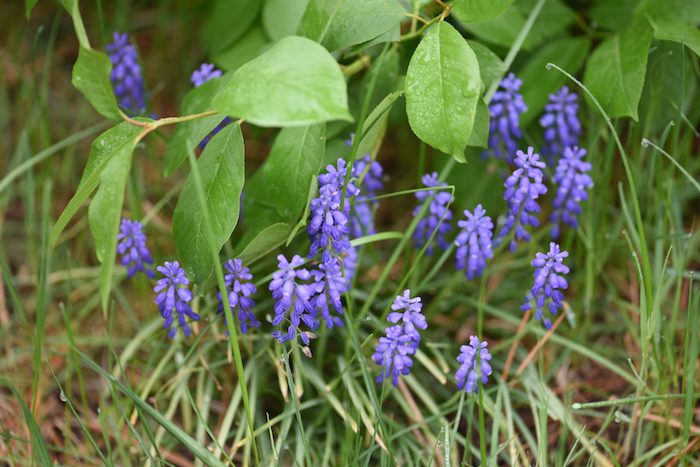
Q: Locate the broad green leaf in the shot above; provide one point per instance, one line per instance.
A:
(476, 11)
(491, 67)
(338, 24)
(104, 215)
(501, 30)
(281, 18)
(221, 168)
(227, 21)
(91, 77)
(188, 135)
(28, 6)
(668, 29)
(294, 159)
(110, 144)
(480, 134)
(613, 16)
(616, 70)
(264, 242)
(442, 90)
(252, 44)
(295, 83)
(539, 83)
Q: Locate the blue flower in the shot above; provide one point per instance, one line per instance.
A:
(548, 284)
(572, 182)
(369, 173)
(329, 284)
(474, 242)
(523, 187)
(394, 351)
(132, 247)
(173, 298)
(504, 128)
(474, 362)
(204, 73)
(126, 75)
(438, 217)
(240, 290)
(292, 300)
(349, 258)
(562, 127)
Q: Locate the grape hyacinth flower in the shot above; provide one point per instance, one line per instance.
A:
(173, 298)
(474, 362)
(438, 217)
(132, 247)
(204, 73)
(548, 284)
(369, 173)
(504, 128)
(394, 351)
(329, 284)
(562, 127)
(292, 300)
(474, 242)
(126, 75)
(240, 290)
(349, 258)
(572, 182)
(523, 187)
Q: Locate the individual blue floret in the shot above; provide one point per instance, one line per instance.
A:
(173, 298)
(474, 362)
(548, 284)
(572, 183)
(132, 247)
(474, 242)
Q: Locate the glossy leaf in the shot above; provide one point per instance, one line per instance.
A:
(264, 242)
(442, 90)
(475, 11)
(91, 77)
(668, 29)
(221, 169)
(295, 83)
(252, 44)
(480, 134)
(281, 18)
(227, 21)
(491, 67)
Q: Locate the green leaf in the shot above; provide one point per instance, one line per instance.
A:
(264, 242)
(669, 29)
(281, 18)
(295, 83)
(375, 125)
(491, 67)
(252, 44)
(28, 6)
(221, 168)
(539, 83)
(91, 77)
(475, 11)
(616, 70)
(189, 134)
(480, 134)
(338, 24)
(104, 215)
(227, 21)
(442, 90)
(110, 144)
(294, 159)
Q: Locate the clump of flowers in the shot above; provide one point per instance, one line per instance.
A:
(173, 298)
(474, 362)
(395, 349)
(523, 187)
(504, 128)
(132, 247)
(126, 75)
(572, 182)
(207, 72)
(438, 217)
(369, 173)
(474, 242)
(329, 284)
(292, 294)
(548, 284)
(240, 291)
(562, 127)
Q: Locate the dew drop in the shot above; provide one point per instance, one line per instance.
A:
(576, 405)
(63, 397)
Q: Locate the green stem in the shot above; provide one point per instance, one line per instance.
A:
(482, 425)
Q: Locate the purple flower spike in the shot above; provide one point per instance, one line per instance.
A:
(369, 173)
(572, 184)
(504, 128)
(562, 127)
(474, 242)
(328, 286)
(204, 73)
(173, 298)
(548, 284)
(126, 75)
(438, 216)
(240, 291)
(523, 187)
(132, 247)
(474, 362)
(292, 300)
(394, 351)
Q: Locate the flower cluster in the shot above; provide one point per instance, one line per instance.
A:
(572, 181)
(548, 284)
(132, 247)
(240, 291)
(204, 73)
(126, 75)
(523, 187)
(394, 350)
(438, 217)
(369, 173)
(474, 362)
(173, 298)
(474, 242)
(504, 128)
(562, 127)
(292, 300)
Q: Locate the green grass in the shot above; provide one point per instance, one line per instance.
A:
(615, 385)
